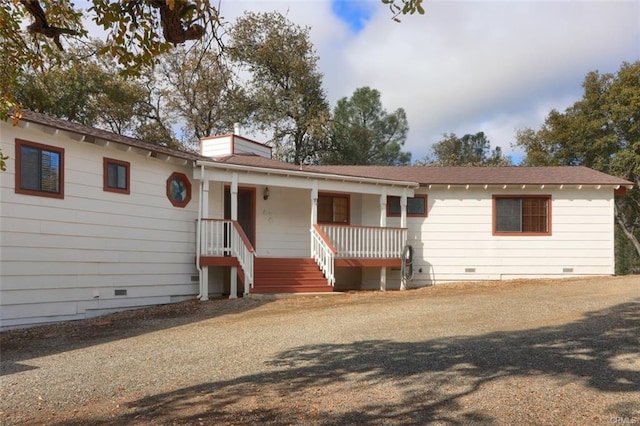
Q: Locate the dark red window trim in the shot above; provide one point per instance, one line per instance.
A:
(521, 234)
(105, 172)
(187, 197)
(18, 176)
(333, 195)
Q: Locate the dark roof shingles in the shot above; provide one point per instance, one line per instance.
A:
(424, 175)
(60, 124)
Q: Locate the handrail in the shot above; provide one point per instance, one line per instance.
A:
(243, 251)
(224, 237)
(323, 253)
(243, 236)
(366, 242)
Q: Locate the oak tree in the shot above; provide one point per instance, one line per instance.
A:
(601, 131)
(283, 83)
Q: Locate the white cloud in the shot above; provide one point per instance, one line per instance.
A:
(488, 65)
(468, 66)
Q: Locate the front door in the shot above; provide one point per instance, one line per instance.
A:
(246, 211)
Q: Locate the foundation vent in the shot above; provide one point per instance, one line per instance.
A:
(567, 270)
(122, 292)
(469, 269)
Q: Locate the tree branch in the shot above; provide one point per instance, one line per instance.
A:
(40, 24)
(171, 19)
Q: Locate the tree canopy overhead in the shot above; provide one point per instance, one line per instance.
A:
(34, 32)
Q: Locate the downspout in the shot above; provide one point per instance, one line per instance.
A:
(199, 230)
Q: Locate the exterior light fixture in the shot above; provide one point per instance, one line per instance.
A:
(265, 194)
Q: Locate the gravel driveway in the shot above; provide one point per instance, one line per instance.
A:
(522, 352)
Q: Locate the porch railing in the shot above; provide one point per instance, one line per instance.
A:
(223, 237)
(366, 242)
(324, 253)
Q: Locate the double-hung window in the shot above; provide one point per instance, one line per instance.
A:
(522, 215)
(116, 176)
(39, 169)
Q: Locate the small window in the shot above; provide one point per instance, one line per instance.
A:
(416, 206)
(522, 215)
(116, 176)
(333, 208)
(178, 189)
(39, 169)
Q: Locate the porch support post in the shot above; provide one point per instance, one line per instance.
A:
(403, 224)
(403, 209)
(233, 286)
(383, 223)
(314, 203)
(314, 211)
(204, 274)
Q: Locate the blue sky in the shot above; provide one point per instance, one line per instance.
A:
(354, 13)
(465, 65)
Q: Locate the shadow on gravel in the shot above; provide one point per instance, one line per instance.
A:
(23, 344)
(416, 382)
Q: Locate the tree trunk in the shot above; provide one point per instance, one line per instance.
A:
(621, 219)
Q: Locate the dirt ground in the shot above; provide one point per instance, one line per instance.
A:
(525, 351)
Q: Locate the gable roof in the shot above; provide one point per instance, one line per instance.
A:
(423, 175)
(513, 175)
(432, 175)
(92, 134)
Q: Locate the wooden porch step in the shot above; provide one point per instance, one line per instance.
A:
(288, 275)
(291, 289)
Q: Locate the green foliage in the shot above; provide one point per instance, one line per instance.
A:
(364, 133)
(3, 159)
(404, 7)
(132, 34)
(285, 85)
(286, 92)
(93, 93)
(201, 90)
(602, 131)
(627, 258)
(469, 150)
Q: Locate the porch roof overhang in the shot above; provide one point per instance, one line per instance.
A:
(302, 179)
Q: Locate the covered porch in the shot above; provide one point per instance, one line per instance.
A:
(291, 231)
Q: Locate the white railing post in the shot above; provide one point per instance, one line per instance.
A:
(222, 238)
(366, 241)
(323, 254)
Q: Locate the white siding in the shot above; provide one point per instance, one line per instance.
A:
(246, 146)
(283, 223)
(455, 242)
(216, 146)
(63, 258)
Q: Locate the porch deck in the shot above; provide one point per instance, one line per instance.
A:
(223, 243)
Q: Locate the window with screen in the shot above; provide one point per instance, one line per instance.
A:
(522, 215)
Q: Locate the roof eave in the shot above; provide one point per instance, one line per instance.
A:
(306, 174)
